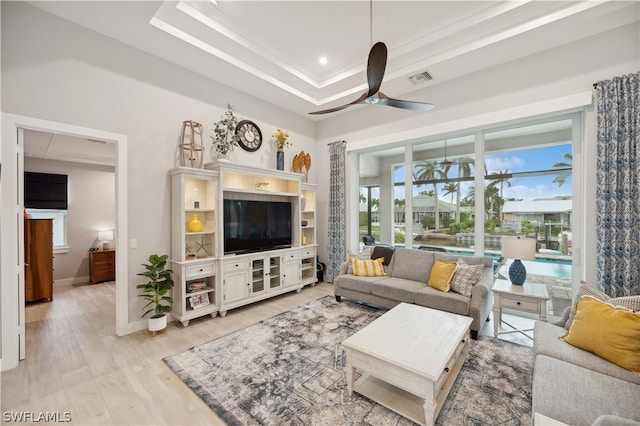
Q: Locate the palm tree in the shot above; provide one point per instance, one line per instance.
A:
(428, 171)
(502, 180)
(562, 176)
(450, 188)
(492, 198)
(464, 170)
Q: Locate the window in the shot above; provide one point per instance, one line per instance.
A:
(59, 225)
(45, 197)
(526, 182)
(382, 195)
(443, 174)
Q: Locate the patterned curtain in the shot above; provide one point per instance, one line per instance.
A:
(617, 193)
(337, 207)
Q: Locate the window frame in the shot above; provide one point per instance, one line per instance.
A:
(59, 224)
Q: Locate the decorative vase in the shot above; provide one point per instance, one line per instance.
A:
(517, 272)
(157, 323)
(223, 158)
(195, 225)
(280, 159)
(303, 202)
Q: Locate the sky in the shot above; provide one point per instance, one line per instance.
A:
(523, 188)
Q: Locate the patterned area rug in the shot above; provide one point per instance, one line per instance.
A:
(289, 370)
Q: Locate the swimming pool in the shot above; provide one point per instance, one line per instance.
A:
(549, 266)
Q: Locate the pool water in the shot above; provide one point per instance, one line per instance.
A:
(553, 267)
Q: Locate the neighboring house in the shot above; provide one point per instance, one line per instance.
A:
(425, 205)
(539, 212)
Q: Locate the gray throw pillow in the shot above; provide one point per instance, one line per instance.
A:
(465, 277)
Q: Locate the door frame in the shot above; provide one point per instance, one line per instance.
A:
(12, 241)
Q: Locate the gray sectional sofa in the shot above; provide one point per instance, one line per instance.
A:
(407, 274)
(576, 387)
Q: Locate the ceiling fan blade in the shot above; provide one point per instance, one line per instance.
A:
(397, 103)
(375, 67)
(360, 100)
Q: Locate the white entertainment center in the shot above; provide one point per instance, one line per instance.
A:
(209, 281)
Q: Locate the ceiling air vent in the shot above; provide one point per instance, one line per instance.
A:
(423, 77)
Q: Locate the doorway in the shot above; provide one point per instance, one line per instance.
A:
(11, 194)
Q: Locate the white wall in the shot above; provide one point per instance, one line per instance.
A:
(91, 190)
(58, 71)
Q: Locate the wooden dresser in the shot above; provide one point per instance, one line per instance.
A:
(38, 259)
(102, 265)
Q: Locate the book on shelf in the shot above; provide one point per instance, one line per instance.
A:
(196, 286)
(199, 300)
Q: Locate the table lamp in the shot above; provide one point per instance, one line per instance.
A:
(518, 248)
(105, 237)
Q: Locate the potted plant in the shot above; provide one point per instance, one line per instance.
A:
(225, 137)
(156, 290)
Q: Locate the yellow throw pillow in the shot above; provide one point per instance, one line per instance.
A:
(368, 267)
(612, 333)
(440, 275)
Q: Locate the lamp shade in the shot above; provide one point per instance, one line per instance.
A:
(519, 248)
(105, 235)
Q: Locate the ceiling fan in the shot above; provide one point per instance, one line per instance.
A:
(447, 163)
(375, 72)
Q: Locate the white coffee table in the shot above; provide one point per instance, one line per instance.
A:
(409, 359)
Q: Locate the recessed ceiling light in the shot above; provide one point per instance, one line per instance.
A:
(323, 60)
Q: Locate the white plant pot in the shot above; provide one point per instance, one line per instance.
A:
(157, 324)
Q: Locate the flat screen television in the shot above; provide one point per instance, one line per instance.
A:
(251, 226)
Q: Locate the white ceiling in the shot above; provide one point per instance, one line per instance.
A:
(271, 49)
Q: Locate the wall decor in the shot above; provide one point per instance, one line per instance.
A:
(191, 145)
(280, 138)
(249, 135)
(225, 138)
(302, 162)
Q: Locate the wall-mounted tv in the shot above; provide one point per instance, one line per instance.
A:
(251, 226)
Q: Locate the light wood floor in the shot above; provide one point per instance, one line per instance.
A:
(75, 363)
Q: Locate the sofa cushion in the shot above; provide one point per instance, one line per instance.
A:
(465, 277)
(440, 276)
(609, 420)
(368, 267)
(436, 299)
(547, 343)
(578, 396)
(612, 333)
(586, 289)
(359, 284)
(471, 260)
(398, 289)
(412, 265)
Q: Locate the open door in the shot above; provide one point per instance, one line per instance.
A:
(20, 243)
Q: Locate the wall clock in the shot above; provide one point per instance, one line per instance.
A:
(249, 134)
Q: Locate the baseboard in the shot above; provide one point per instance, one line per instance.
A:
(65, 282)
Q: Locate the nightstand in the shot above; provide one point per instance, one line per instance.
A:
(530, 298)
(102, 265)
